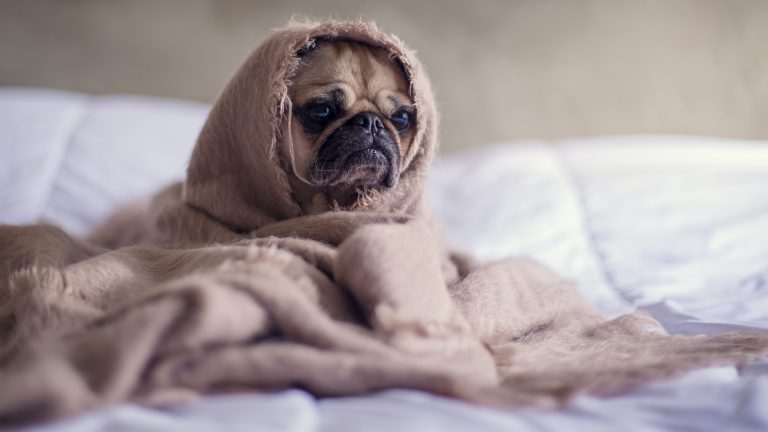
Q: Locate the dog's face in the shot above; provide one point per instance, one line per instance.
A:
(353, 119)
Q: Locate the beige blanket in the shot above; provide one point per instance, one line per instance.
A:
(222, 283)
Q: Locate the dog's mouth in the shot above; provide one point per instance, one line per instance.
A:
(353, 159)
(367, 167)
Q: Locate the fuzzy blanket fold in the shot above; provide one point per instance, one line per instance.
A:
(222, 283)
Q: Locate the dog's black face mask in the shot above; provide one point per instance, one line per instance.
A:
(360, 153)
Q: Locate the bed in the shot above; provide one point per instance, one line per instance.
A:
(674, 225)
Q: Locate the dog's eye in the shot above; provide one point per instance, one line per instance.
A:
(401, 119)
(319, 113)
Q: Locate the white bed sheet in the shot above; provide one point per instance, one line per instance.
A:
(677, 226)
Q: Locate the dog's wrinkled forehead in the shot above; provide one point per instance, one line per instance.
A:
(360, 76)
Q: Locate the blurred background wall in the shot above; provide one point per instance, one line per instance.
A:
(502, 69)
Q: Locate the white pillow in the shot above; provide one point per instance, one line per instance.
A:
(71, 159)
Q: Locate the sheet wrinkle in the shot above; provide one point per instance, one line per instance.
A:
(597, 255)
(62, 154)
(729, 222)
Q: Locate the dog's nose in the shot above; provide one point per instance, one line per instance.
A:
(370, 121)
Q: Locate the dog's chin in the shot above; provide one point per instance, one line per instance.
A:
(361, 170)
(364, 169)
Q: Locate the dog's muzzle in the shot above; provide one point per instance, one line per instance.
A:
(361, 152)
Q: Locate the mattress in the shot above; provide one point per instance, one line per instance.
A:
(674, 225)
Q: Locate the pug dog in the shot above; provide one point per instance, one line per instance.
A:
(352, 122)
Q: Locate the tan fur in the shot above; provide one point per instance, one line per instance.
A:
(229, 281)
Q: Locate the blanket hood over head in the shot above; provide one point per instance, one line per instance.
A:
(239, 171)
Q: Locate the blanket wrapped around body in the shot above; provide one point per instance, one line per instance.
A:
(225, 283)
